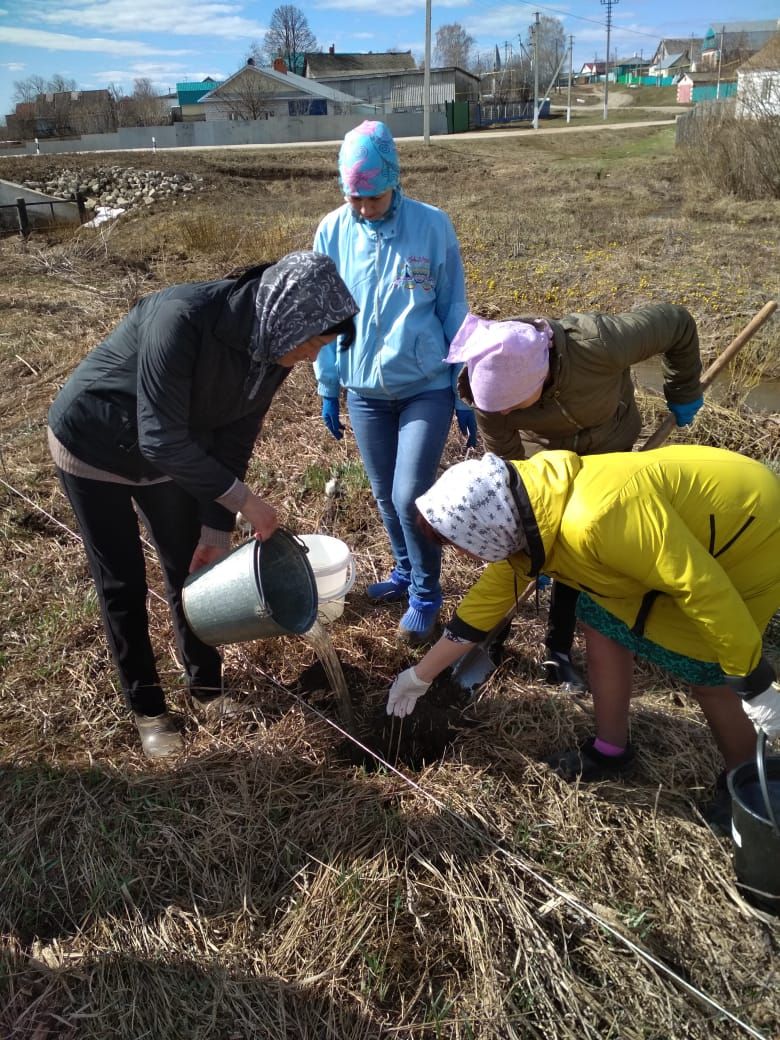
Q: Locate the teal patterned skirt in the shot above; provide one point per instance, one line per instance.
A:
(687, 669)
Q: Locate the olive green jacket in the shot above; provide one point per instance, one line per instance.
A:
(588, 401)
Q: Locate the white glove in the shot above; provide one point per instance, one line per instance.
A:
(763, 710)
(404, 693)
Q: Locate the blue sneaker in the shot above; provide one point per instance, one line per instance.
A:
(390, 591)
(420, 623)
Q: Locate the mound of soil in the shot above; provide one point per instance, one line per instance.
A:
(415, 741)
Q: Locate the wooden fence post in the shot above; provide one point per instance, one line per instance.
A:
(24, 220)
(82, 207)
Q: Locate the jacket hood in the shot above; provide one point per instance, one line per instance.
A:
(542, 492)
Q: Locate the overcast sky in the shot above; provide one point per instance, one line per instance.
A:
(97, 43)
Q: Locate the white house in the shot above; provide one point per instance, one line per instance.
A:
(263, 93)
(758, 82)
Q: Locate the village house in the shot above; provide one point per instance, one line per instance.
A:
(734, 42)
(264, 93)
(758, 82)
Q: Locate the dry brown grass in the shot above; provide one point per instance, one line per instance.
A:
(263, 886)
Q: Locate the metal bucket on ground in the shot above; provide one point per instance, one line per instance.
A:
(261, 589)
(334, 572)
(755, 827)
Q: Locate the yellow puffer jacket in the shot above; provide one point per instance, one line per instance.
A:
(697, 527)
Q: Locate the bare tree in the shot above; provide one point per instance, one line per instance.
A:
(95, 113)
(288, 37)
(550, 47)
(26, 90)
(453, 46)
(144, 107)
(59, 84)
(249, 95)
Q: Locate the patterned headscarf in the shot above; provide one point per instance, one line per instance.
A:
(298, 297)
(507, 361)
(472, 506)
(368, 160)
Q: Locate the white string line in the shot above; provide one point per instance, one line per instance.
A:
(513, 858)
(72, 533)
(510, 856)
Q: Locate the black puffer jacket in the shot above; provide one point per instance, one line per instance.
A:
(166, 393)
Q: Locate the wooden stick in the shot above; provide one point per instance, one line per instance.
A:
(668, 423)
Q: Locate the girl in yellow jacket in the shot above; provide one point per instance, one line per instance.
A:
(676, 554)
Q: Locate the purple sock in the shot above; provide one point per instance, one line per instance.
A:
(610, 750)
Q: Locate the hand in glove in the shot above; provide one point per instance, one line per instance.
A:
(467, 424)
(764, 711)
(330, 416)
(404, 693)
(760, 695)
(684, 413)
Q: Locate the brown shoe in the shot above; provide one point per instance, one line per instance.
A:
(159, 736)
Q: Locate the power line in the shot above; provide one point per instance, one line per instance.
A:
(582, 18)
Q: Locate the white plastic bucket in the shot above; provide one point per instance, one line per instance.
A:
(334, 573)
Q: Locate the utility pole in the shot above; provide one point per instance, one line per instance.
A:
(568, 99)
(720, 59)
(536, 71)
(609, 4)
(427, 76)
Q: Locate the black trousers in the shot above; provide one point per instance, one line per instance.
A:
(562, 619)
(112, 540)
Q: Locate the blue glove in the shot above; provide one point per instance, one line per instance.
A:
(543, 581)
(330, 416)
(467, 424)
(684, 413)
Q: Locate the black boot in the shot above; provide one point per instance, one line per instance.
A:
(559, 671)
(588, 764)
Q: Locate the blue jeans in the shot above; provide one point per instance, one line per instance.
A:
(401, 443)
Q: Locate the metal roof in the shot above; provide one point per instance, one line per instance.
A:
(289, 79)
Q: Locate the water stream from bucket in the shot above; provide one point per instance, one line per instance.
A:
(318, 637)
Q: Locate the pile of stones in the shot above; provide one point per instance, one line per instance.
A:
(118, 186)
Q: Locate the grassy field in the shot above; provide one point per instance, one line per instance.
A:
(266, 885)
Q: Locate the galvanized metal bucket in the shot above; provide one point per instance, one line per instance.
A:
(261, 589)
(754, 787)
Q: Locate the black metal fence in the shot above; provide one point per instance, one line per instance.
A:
(30, 215)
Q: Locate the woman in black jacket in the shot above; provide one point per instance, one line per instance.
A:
(161, 418)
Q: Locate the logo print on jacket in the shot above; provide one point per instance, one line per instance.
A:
(417, 273)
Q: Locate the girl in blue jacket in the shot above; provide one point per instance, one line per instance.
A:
(401, 262)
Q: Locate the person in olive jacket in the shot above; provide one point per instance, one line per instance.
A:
(538, 383)
(162, 418)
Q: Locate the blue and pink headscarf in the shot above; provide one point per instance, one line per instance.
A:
(368, 160)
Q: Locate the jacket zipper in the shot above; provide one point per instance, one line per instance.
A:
(376, 313)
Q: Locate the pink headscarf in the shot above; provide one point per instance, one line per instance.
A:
(507, 361)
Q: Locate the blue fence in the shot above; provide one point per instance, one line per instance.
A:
(511, 112)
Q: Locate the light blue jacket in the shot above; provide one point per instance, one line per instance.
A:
(406, 274)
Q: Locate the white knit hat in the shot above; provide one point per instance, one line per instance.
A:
(471, 505)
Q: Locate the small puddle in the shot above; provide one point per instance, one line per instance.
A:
(764, 397)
